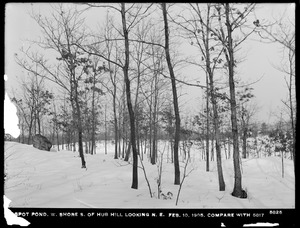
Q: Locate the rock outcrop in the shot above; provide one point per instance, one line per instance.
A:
(41, 142)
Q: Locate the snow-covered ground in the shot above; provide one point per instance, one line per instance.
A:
(52, 179)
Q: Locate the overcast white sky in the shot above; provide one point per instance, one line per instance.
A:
(19, 26)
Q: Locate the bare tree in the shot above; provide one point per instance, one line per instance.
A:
(197, 30)
(112, 53)
(63, 31)
(229, 19)
(174, 92)
(130, 17)
(33, 105)
(282, 31)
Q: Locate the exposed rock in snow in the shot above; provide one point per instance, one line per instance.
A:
(41, 142)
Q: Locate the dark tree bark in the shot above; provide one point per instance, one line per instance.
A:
(175, 97)
(93, 149)
(217, 133)
(207, 125)
(105, 132)
(244, 143)
(29, 133)
(129, 104)
(237, 190)
(154, 122)
(115, 117)
(79, 123)
(215, 118)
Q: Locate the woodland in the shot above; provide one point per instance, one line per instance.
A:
(119, 82)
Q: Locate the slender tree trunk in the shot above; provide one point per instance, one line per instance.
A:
(244, 141)
(154, 142)
(62, 140)
(53, 134)
(150, 126)
(105, 133)
(154, 124)
(115, 123)
(282, 165)
(76, 108)
(207, 125)
(291, 56)
(129, 104)
(57, 139)
(128, 150)
(93, 116)
(86, 145)
(136, 100)
(34, 124)
(29, 133)
(39, 123)
(237, 190)
(145, 147)
(80, 146)
(124, 142)
(56, 126)
(120, 137)
(228, 147)
(138, 141)
(217, 134)
(175, 97)
(212, 152)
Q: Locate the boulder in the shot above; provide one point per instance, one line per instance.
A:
(41, 142)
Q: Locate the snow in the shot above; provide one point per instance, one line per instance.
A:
(52, 179)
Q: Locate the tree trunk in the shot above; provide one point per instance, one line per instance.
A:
(80, 146)
(150, 126)
(154, 124)
(128, 151)
(207, 125)
(217, 133)
(57, 139)
(291, 71)
(244, 141)
(175, 97)
(78, 119)
(39, 123)
(115, 123)
(56, 126)
(154, 142)
(237, 190)
(93, 116)
(228, 147)
(120, 137)
(172, 150)
(129, 104)
(105, 133)
(282, 165)
(86, 145)
(212, 152)
(29, 133)
(62, 140)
